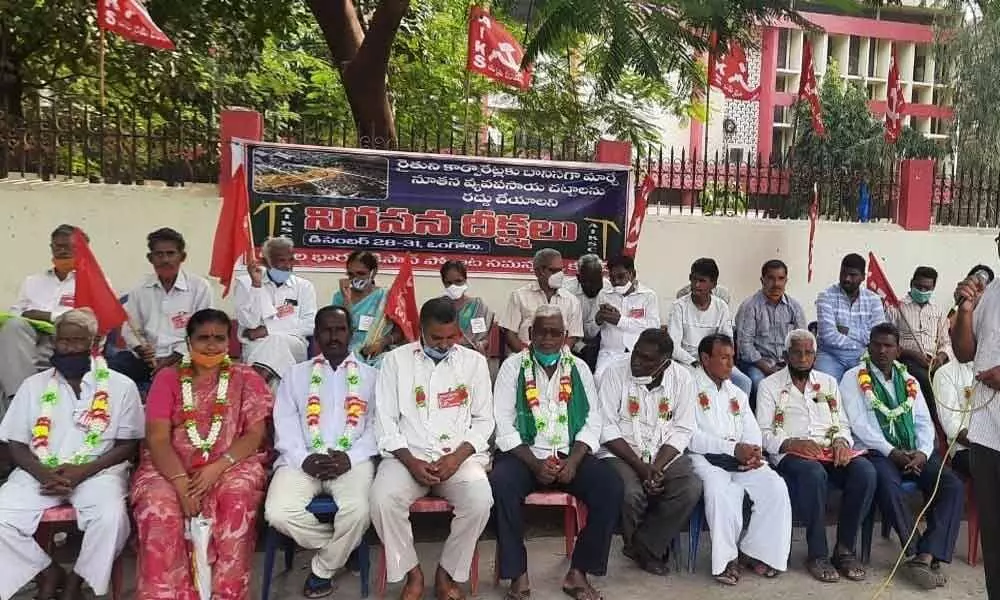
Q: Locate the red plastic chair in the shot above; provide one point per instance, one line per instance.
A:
(574, 519)
(426, 504)
(61, 517)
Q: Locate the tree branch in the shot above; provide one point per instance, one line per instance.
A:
(338, 21)
(372, 59)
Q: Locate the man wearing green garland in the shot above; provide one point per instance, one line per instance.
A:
(548, 427)
(889, 418)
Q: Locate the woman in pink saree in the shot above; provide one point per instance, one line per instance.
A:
(205, 427)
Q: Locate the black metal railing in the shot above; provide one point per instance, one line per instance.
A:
(966, 195)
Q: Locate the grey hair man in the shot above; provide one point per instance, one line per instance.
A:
(807, 434)
(276, 310)
(587, 286)
(548, 288)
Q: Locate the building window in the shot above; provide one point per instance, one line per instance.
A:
(735, 156)
(854, 56)
(872, 56)
(783, 38)
(920, 63)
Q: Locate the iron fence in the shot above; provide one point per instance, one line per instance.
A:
(966, 196)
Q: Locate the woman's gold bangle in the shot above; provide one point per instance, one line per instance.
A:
(178, 476)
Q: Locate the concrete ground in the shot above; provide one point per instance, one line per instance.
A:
(547, 565)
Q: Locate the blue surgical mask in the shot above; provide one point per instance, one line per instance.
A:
(546, 359)
(435, 354)
(71, 366)
(278, 276)
(920, 296)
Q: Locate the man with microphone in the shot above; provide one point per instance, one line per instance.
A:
(975, 336)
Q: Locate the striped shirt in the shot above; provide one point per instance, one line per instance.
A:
(834, 309)
(984, 424)
(923, 328)
(761, 326)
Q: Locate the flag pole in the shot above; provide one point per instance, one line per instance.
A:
(100, 63)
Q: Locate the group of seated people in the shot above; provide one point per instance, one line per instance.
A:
(377, 423)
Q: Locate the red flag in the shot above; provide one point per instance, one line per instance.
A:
(879, 283)
(638, 216)
(894, 103)
(813, 216)
(494, 52)
(92, 288)
(232, 234)
(808, 91)
(401, 306)
(731, 74)
(129, 19)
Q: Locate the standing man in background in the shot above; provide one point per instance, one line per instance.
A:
(975, 336)
(586, 286)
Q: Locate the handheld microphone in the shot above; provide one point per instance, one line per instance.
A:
(985, 278)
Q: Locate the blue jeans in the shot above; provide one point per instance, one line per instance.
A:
(755, 374)
(836, 362)
(741, 381)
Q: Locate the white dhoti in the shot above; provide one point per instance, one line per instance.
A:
(394, 490)
(25, 351)
(278, 352)
(769, 535)
(291, 491)
(101, 514)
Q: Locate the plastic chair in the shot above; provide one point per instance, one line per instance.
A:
(426, 504)
(868, 526)
(63, 516)
(574, 519)
(324, 508)
(694, 533)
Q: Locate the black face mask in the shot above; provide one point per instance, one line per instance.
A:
(71, 365)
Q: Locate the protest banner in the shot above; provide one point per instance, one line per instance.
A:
(492, 213)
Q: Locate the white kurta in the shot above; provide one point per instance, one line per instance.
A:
(457, 407)
(288, 311)
(648, 430)
(505, 409)
(292, 489)
(804, 414)
(769, 534)
(99, 501)
(639, 311)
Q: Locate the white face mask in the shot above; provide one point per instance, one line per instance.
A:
(556, 280)
(456, 291)
(648, 379)
(621, 289)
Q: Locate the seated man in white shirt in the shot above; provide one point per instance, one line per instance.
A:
(72, 430)
(727, 455)
(953, 384)
(890, 419)
(548, 288)
(648, 407)
(326, 441)
(624, 312)
(275, 309)
(25, 346)
(548, 427)
(808, 438)
(433, 422)
(587, 286)
(160, 307)
(699, 314)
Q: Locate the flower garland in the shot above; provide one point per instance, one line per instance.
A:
(189, 412)
(97, 419)
(735, 413)
(778, 421)
(664, 413)
(420, 400)
(531, 394)
(868, 389)
(354, 406)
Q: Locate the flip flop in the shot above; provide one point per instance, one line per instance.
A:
(519, 595)
(317, 587)
(581, 593)
(730, 576)
(759, 568)
(849, 566)
(822, 570)
(922, 575)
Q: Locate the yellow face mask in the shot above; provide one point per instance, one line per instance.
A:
(207, 361)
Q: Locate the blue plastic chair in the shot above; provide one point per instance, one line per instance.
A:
(868, 526)
(324, 508)
(694, 533)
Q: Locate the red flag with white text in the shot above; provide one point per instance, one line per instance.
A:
(401, 305)
(879, 283)
(494, 52)
(638, 216)
(92, 288)
(808, 91)
(129, 19)
(731, 74)
(894, 103)
(813, 217)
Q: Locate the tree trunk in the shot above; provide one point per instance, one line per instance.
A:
(11, 79)
(363, 60)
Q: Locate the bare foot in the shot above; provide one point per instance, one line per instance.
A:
(50, 580)
(445, 587)
(413, 588)
(73, 590)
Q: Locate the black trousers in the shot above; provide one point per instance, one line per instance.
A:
(131, 366)
(596, 484)
(808, 482)
(985, 465)
(960, 463)
(924, 379)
